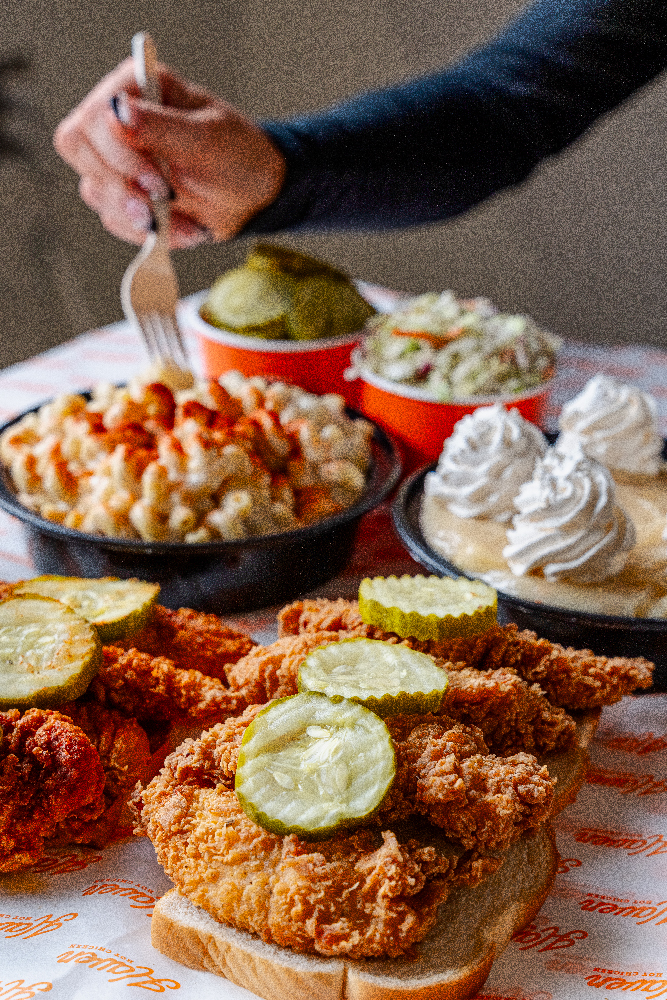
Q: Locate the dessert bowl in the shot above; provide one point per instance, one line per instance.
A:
(418, 422)
(218, 576)
(608, 635)
(315, 365)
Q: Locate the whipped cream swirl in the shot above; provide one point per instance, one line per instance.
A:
(569, 525)
(484, 463)
(615, 424)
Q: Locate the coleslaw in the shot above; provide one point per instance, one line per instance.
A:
(456, 348)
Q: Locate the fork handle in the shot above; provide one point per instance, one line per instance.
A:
(144, 55)
(145, 67)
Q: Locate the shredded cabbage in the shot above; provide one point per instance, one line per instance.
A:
(456, 348)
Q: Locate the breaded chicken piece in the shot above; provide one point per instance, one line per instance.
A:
(5, 589)
(271, 671)
(512, 714)
(318, 614)
(371, 893)
(122, 746)
(191, 640)
(49, 771)
(444, 771)
(152, 688)
(575, 679)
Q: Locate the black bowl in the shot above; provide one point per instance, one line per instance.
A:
(606, 635)
(222, 577)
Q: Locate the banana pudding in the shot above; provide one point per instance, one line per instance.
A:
(575, 534)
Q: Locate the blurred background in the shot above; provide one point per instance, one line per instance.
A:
(581, 246)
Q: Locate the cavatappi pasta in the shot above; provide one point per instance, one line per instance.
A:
(221, 460)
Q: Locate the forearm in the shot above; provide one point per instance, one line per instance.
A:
(431, 148)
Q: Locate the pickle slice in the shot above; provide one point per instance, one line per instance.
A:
(385, 677)
(311, 766)
(428, 607)
(281, 260)
(117, 608)
(326, 307)
(48, 653)
(249, 302)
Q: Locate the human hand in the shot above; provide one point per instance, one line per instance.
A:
(216, 165)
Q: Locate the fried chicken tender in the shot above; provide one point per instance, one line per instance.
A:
(123, 750)
(371, 893)
(571, 678)
(191, 640)
(321, 615)
(5, 589)
(444, 771)
(152, 688)
(49, 771)
(512, 714)
(271, 671)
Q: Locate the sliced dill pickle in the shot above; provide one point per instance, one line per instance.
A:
(385, 677)
(428, 607)
(281, 260)
(311, 766)
(117, 608)
(249, 302)
(48, 653)
(326, 307)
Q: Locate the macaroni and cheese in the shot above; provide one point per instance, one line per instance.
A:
(220, 460)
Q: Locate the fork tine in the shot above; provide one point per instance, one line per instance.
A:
(174, 340)
(152, 330)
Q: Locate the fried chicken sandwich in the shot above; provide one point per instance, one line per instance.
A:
(419, 890)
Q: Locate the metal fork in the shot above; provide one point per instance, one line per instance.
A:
(149, 289)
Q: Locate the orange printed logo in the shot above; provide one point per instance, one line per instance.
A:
(63, 864)
(575, 966)
(17, 927)
(547, 939)
(140, 897)
(567, 864)
(19, 990)
(631, 843)
(517, 994)
(640, 744)
(641, 911)
(627, 782)
(121, 969)
(634, 982)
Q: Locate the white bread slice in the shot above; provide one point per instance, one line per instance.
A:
(451, 963)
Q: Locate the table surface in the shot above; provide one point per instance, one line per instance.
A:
(602, 925)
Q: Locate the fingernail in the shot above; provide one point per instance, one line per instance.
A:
(195, 236)
(121, 108)
(153, 184)
(139, 213)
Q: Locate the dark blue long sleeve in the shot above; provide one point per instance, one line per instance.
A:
(433, 147)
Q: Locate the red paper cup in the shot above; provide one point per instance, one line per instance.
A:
(315, 365)
(421, 425)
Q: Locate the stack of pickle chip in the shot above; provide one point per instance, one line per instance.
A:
(323, 760)
(279, 294)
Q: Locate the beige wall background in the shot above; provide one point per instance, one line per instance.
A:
(581, 246)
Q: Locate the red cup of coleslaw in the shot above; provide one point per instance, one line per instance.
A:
(420, 424)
